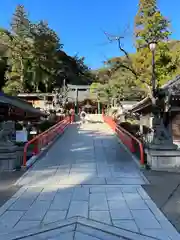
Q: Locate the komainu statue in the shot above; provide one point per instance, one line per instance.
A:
(6, 130)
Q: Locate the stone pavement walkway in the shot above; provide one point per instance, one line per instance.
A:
(166, 198)
(87, 174)
(7, 187)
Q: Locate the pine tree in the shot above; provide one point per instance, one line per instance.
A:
(20, 45)
(20, 25)
(150, 25)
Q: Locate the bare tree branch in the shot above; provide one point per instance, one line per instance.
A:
(113, 38)
(129, 67)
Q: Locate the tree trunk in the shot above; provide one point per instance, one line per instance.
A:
(22, 72)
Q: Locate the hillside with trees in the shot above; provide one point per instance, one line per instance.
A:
(32, 58)
(129, 76)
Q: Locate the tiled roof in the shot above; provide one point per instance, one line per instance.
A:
(19, 103)
(147, 101)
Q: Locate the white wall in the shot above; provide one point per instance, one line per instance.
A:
(95, 117)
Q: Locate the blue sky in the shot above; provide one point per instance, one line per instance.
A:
(80, 23)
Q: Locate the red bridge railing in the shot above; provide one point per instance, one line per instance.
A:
(43, 139)
(126, 138)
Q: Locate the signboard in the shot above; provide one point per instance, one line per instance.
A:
(21, 136)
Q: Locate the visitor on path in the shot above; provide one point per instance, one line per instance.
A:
(71, 115)
(83, 116)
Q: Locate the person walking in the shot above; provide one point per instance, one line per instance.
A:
(83, 116)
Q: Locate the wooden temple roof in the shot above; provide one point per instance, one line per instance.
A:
(83, 93)
(20, 104)
(172, 86)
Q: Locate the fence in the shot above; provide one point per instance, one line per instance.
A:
(43, 139)
(131, 142)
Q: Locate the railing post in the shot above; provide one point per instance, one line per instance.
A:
(36, 147)
(132, 146)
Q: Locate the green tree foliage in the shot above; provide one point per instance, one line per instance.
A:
(20, 44)
(20, 24)
(36, 58)
(100, 92)
(130, 75)
(117, 83)
(45, 44)
(152, 26)
(83, 71)
(3, 68)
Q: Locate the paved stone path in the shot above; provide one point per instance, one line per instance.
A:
(88, 174)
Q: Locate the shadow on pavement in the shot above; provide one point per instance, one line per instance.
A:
(7, 187)
(82, 156)
(76, 149)
(164, 189)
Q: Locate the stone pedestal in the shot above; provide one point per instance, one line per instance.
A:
(163, 160)
(9, 158)
(10, 154)
(19, 154)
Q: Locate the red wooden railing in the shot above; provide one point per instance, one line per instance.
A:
(43, 139)
(126, 138)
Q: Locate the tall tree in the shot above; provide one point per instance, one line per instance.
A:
(20, 47)
(46, 44)
(20, 24)
(35, 57)
(150, 24)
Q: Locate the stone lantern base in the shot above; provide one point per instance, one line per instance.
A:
(163, 160)
(8, 158)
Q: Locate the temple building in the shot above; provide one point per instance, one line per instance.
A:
(13, 108)
(77, 96)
